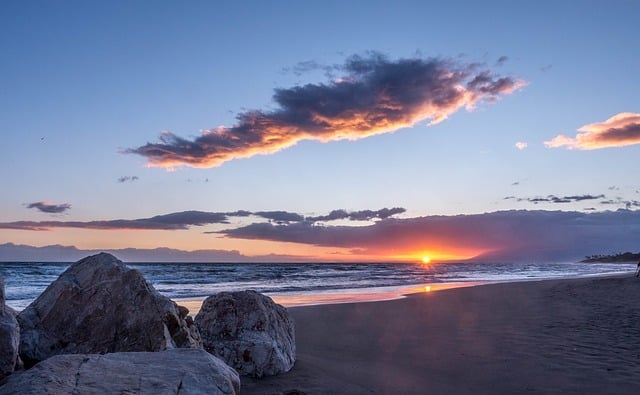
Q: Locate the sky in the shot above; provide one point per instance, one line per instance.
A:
(320, 131)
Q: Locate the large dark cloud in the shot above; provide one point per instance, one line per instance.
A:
(50, 207)
(374, 95)
(503, 235)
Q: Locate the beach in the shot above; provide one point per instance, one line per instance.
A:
(577, 336)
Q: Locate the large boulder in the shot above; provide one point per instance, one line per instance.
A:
(9, 336)
(177, 371)
(99, 305)
(249, 332)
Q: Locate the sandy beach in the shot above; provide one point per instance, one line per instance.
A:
(558, 336)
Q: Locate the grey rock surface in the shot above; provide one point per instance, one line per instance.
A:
(248, 331)
(99, 305)
(177, 371)
(9, 336)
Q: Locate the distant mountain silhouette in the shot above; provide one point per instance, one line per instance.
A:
(10, 252)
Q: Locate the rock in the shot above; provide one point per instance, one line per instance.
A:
(249, 332)
(9, 336)
(99, 305)
(177, 371)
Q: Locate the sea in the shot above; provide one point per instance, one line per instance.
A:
(306, 283)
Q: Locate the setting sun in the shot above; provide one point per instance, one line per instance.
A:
(426, 259)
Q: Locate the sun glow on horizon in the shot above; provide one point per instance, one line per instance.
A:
(426, 259)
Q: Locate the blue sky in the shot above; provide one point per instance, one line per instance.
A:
(84, 81)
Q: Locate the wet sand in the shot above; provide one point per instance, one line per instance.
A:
(558, 336)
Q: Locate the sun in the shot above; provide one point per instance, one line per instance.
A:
(426, 259)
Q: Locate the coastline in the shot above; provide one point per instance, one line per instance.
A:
(379, 294)
(357, 295)
(552, 336)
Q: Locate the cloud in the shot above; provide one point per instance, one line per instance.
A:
(374, 95)
(503, 235)
(280, 216)
(128, 179)
(556, 199)
(173, 221)
(362, 215)
(310, 65)
(501, 60)
(186, 219)
(520, 235)
(50, 207)
(618, 131)
(618, 201)
(521, 145)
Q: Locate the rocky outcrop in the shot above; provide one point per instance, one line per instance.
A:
(99, 305)
(9, 336)
(249, 332)
(178, 371)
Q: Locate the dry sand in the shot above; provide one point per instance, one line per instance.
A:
(560, 336)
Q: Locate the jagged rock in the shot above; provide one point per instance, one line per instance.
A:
(99, 305)
(177, 371)
(249, 332)
(9, 336)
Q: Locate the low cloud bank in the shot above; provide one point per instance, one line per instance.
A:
(504, 235)
(186, 219)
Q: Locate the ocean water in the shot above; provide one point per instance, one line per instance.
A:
(25, 281)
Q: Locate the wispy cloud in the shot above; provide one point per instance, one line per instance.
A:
(374, 95)
(362, 215)
(128, 179)
(556, 199)
(174, 221)
(618, 201)
(50, 208)
(618, 131)
(501, 60)
(280, 216)
(187, 219)
(521, 145)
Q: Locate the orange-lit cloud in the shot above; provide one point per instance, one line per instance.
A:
(375, 95)
(618, 131)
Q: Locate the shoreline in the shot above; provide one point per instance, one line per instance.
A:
(380, 294)
(352, 295)
(548, 336)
